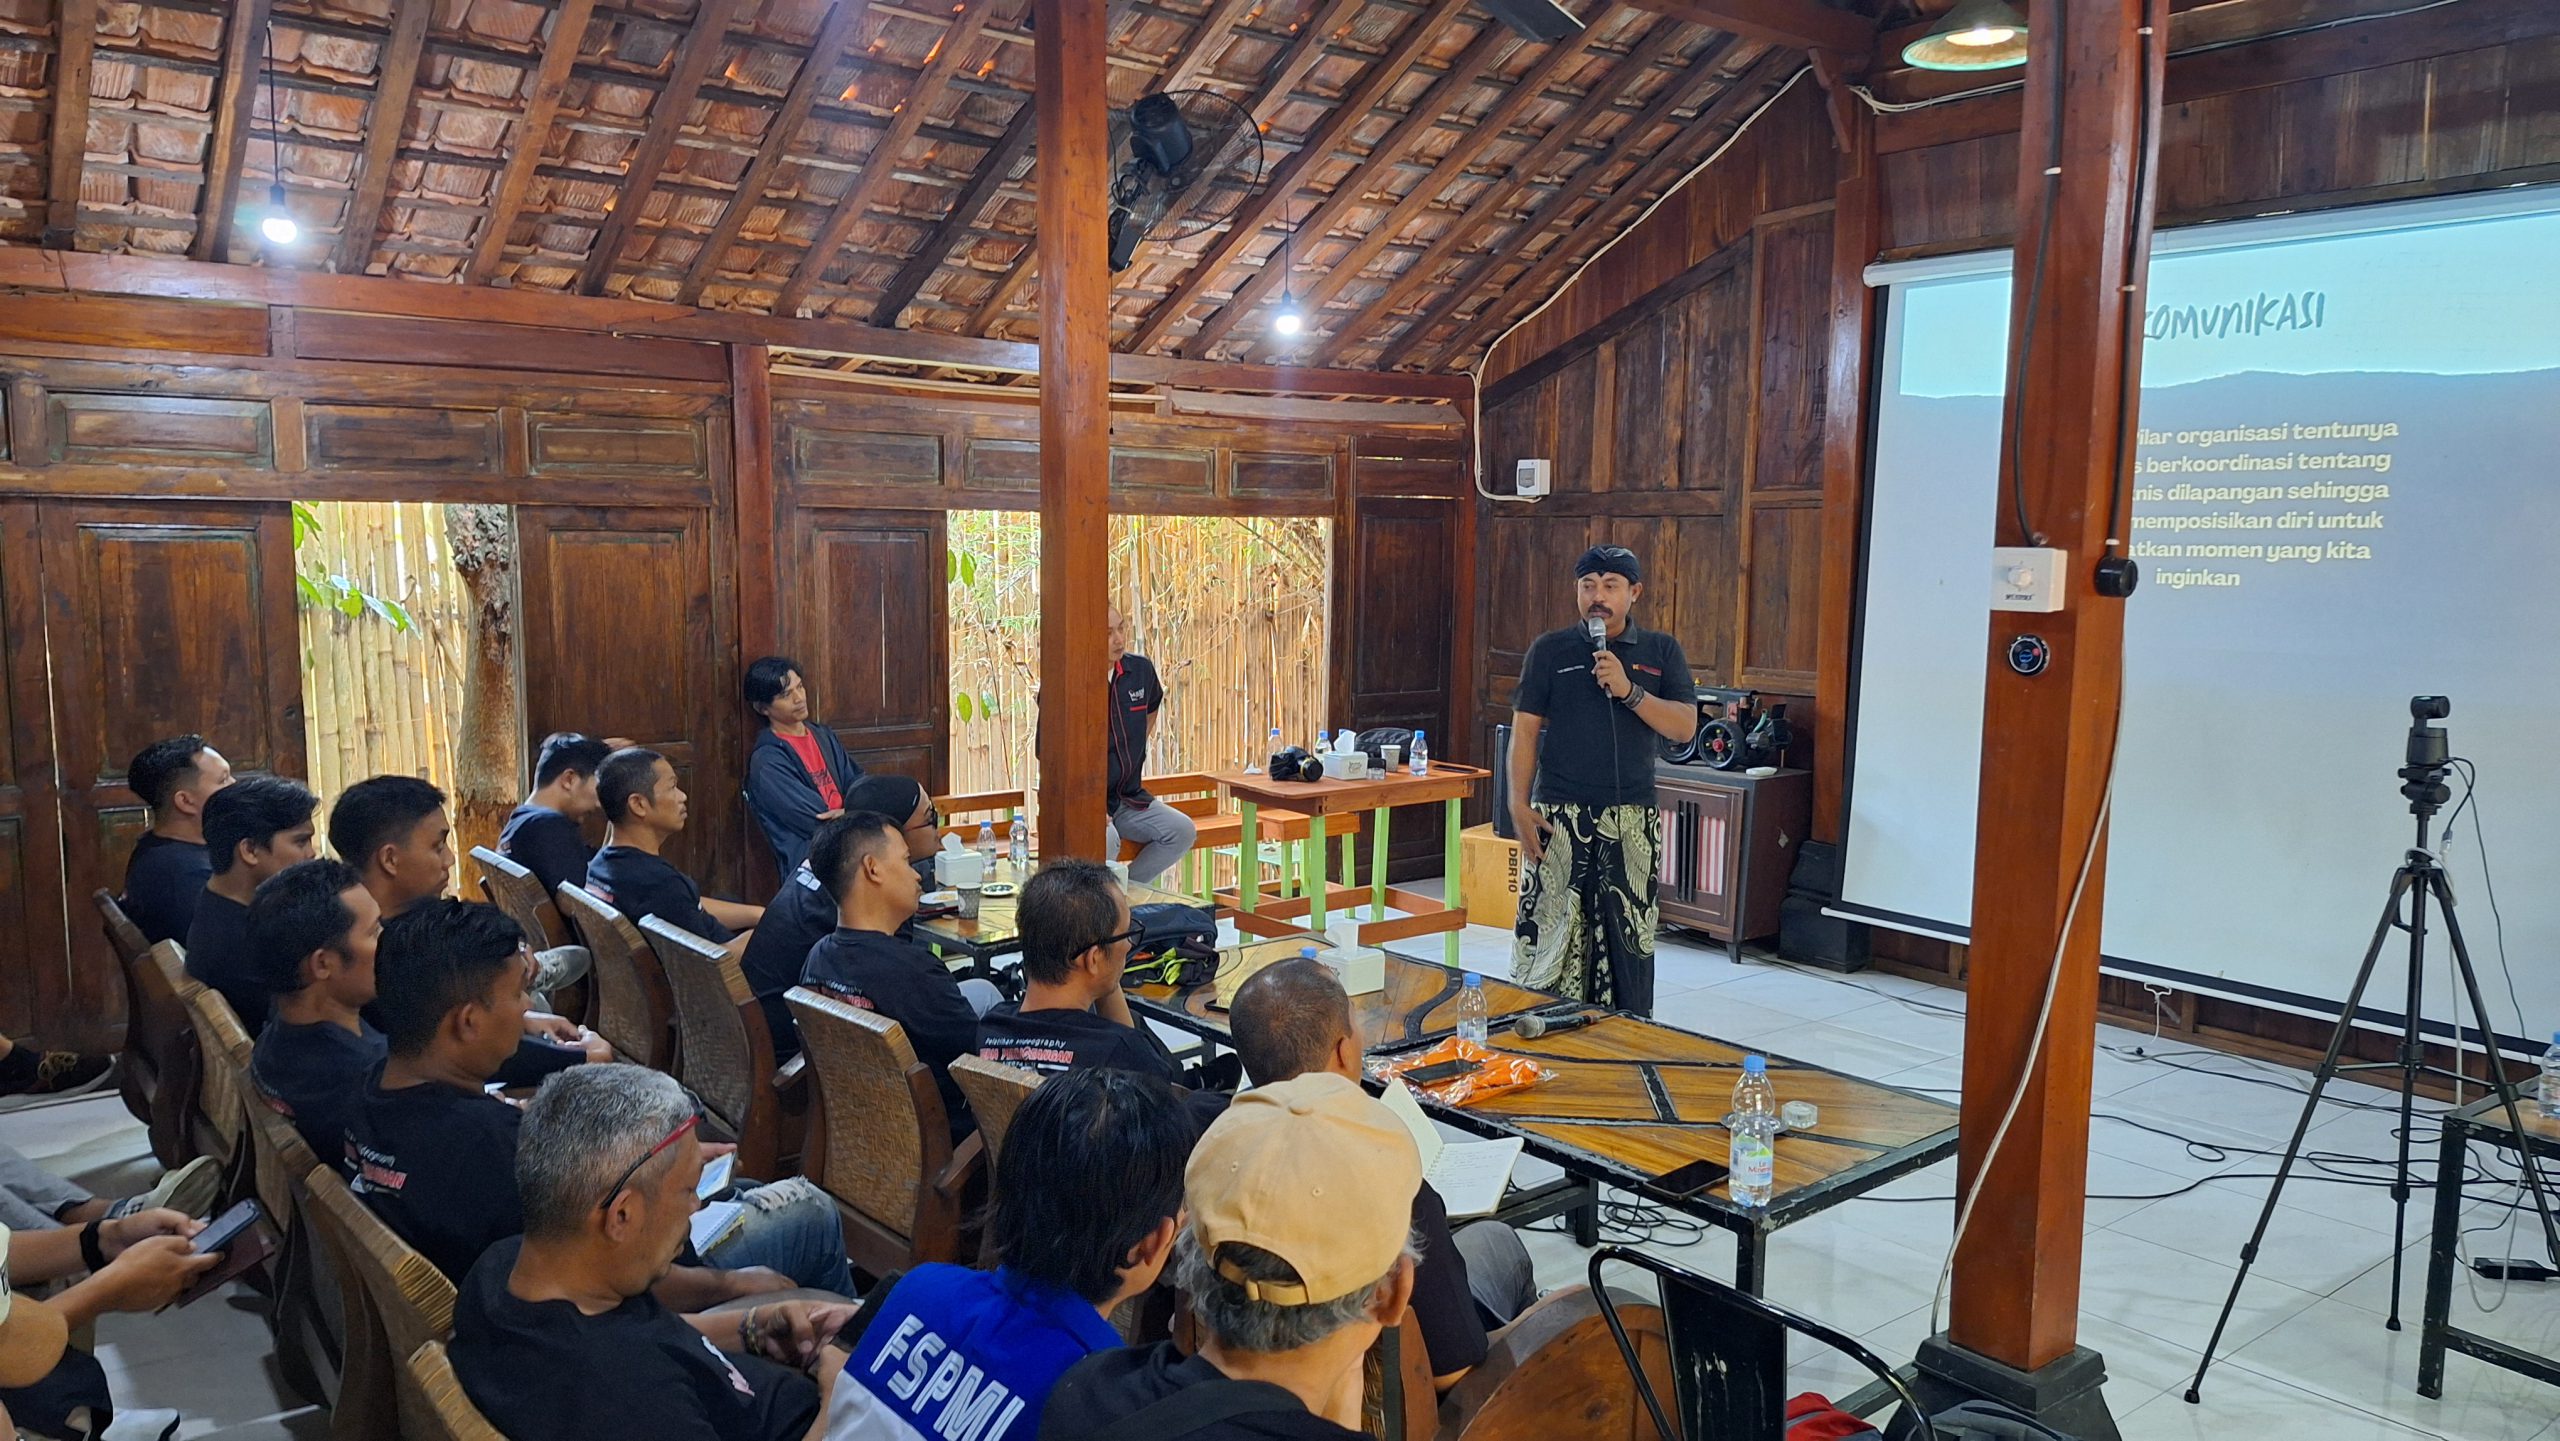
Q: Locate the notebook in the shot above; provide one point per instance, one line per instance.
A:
(713, 1223)
(1469, 1175)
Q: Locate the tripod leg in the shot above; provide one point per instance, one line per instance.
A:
(2498, 1071)
(2401, 881)
(2412, 1060)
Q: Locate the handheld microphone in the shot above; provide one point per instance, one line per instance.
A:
(1530, 1028)
(1598, 630)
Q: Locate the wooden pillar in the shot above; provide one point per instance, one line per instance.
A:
(751, 477)
(1857, 234)
(2048, 739)
(1075, 420)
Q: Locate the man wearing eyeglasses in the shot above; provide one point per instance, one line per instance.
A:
(1076, 938)
(1585, 723)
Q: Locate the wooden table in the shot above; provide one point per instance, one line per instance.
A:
(1419, 1003)
(1448, 784)
(2485, 1121)
(992, 934)
(1632, 1100)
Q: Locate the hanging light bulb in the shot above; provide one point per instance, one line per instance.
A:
(1975, 35)
(278, 225)
(1289, 320)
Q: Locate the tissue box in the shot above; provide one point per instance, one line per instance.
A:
(959, 868)
(1346, 766)
(1361, 969)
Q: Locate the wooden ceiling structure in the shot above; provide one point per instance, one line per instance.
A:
(1432, 175)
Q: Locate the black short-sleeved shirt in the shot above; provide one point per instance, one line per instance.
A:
(546, 843)
(438, 1165)
(1054, 1041)
(313, 1076)
(161, 883)
(546, 1369)
(218, 955)
(800, 915)
(638, 884)
(1102, 1388)
(1136, 695)
(909, 985)
(1575, 757)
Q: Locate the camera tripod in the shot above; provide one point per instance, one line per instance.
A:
(2419, 880)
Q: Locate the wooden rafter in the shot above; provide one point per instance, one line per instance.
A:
(674, 105)
(1801, 24)
(244, 42)
(1658, 43)
(797, 103)
(396, 77)
(990, 176)
(75, 47)
(1364, 95)
(1619, 204)
(1531, 86)
(533, 133)
(949, 54)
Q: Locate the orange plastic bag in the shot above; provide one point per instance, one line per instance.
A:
(1496, 1074)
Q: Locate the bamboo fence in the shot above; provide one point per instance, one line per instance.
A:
(377, 699)
(1231, 610)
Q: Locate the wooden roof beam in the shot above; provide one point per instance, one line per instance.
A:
(75, 48)
(949, 53)
(693, 61)
(993, 171)
(1659, 41)
(244, 38)
(533, 133)
(1800, 24)
(1452, 167)
(396, 77)
(1357, 102)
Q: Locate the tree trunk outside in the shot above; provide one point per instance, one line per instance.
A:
(488, 754)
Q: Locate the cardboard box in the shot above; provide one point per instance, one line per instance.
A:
(1489, 876)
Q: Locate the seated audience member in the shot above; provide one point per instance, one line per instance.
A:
(546, 835)
(434, 1154)
(136, 1264)
(560, 1333)
(253, 828)
(1076, 937)
(168, 868)
(863, 861)
(1088, 1194)
(313, 932)
(395, 832)
(803, 912)
(644, 808)
(1296, 1254)
(797, 774)
(1292, 1019)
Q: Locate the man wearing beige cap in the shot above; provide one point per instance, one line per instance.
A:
(1297, 1253)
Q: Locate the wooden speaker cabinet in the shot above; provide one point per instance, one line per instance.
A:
(1728, 844)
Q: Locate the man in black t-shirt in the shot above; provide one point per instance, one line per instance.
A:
(862, 858)
(1076, 938)
(253, 828)
(168, 868)
(802, 913)
(560, 1333)
(1586, 723)
(544, 835)
(313, 932)
(1162, 833)
(644, 808)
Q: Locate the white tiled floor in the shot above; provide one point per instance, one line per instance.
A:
(2306, 1355)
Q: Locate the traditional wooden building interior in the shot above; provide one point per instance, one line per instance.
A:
(392, 383)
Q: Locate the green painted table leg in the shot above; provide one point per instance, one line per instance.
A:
(1351, 862)
(1378, 863)
(1249, 859)
(1454, 889)
(1316, 895)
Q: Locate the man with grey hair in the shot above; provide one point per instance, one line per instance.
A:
(1296, 1255)
(556, 1333)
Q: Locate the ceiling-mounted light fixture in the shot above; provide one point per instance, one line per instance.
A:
(277, 224)
(1975, 35)
(1288, 319)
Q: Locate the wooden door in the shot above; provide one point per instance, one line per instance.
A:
(1397, 646)
(161, 619)
(627, 633)
(864, 613)
(32, 905)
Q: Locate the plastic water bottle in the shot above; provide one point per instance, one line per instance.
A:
(1418, 760)
(987, 842)
(2549, 1100)
(1276, 747)
(1754, 1124)
(1019, 849)
(1471, 1010)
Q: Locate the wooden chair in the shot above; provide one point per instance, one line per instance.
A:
(985, 807)
(878, 1140)
(634, 1010)
(727, 1053)
(431, 1396)
(1397, 1402)
(518, 892)
(1294, 832)
(995, 1091)
(1556, 1372)
(138, 1073)
(221, 1122)
(307, 1321)
(1196, 795)
(397, 1302)
(158, 1031)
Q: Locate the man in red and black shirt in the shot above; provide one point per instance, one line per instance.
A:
(797, 772)
(1162, 833)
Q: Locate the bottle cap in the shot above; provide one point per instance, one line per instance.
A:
(1307, 952)
(1755, 1065)
(1476, 980)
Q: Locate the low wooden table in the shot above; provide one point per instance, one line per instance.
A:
(1446, 783)
(992, 934)
(1419, 1003)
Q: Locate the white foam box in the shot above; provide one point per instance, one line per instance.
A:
(1361, 969)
